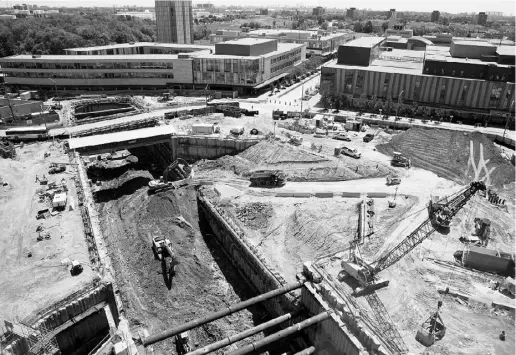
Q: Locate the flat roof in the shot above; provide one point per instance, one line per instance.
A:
(249, 41)
(473, 43)
(139, 44)
(102, 139)
(366, 41)
(278, 32)
(114, 58)
(506, 50)
(385, 66)
(282, 47)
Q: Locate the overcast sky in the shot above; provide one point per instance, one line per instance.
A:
(455, 6)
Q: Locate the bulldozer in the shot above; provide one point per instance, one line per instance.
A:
(432, 329)
(183, 343)
(175, 175)
(399, 160)
(269, 178)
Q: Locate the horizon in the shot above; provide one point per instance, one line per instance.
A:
(507, 7)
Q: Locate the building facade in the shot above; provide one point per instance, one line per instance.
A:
(351, 12)
(174, 21)
(318, 11)
(436, 81)
(481, 19)
(244, 65)
(435, 16)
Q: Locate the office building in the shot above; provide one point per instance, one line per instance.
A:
(481, 19)
(318, 11)
(245, 65)
(264, 12)
(351, 12)
(437, 79)
(174, 21)
(435, 16)
(320, 42)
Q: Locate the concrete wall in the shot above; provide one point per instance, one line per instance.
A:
(193, 148)
(246, 258)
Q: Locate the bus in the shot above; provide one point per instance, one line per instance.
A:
(224, 102)
(32, 133)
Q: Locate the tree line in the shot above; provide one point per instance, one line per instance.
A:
(54, 34)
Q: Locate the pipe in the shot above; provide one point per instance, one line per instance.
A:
(307, 351)
(237, 337)
(151, 339)
(257, 345)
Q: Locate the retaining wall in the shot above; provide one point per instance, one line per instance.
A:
(194, 148)
(246, 258)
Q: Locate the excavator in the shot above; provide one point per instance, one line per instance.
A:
(175, 175)
(439, 215)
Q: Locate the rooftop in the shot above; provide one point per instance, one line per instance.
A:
(114, 58)
(367, 42)
(280, 32)
(506, 50)
(140, 44)
(282, 47)
(473, 43)
(249, 41)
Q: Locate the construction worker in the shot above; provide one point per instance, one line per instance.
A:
(502, 336)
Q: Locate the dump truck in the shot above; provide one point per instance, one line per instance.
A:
(56, 168)
(399, 160)
(269, 178)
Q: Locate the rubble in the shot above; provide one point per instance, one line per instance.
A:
(255, 215)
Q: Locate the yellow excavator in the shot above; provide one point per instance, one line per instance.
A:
(162, 249)
(177, 174)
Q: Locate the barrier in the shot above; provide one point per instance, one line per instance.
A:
(377, 194)
(284, 194)
(302, 194)
(351, 194)
(324, 194)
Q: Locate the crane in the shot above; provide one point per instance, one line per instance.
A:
(440, 214)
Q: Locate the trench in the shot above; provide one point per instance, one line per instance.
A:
(99, 109)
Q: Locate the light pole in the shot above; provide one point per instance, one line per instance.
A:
(302, 93)
(55, 86)
(400, 99)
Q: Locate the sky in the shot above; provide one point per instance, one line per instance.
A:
(453, 6)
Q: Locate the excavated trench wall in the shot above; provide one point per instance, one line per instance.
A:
(247, 259)
(82, 332)
(192, 148)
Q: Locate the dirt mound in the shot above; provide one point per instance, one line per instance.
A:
(455, 155)
(205, 279)
(7, 150)
(126, 184)
(255, 215)
(269, 152)
(227, 163)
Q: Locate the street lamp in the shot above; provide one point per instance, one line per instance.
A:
(400, 99)
(55, 86)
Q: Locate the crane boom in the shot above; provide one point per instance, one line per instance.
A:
(425, 229)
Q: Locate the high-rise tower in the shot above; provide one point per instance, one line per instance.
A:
(174, 21)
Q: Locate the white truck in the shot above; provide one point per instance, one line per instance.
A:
(205, 128)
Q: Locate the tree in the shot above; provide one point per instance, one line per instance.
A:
(368, 28)
(358, 27)
(385, 26)
(324, 26)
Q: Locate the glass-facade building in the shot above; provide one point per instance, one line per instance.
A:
(174, 21)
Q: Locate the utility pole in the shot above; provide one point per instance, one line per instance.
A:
(302, 92)
(55, 86)
(9, 102)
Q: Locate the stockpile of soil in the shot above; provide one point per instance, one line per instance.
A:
(7, 150)
(205, 280)
(455, 155)
(270, 152)
(255, 215)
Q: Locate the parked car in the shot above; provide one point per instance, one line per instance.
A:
(342, 137)
(350, 152)
(393, 180)
(368, 137)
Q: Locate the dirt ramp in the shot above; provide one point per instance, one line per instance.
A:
(267, 152)
(455, 155)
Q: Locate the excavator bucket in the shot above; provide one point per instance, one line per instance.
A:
(425, 337)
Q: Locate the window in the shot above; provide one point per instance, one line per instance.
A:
(496, 93)
(348, 82)
(385, 85)
(417, 92)
(463, 94)
(359, 87)
(442, 94)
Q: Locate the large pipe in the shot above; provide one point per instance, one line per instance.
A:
(259, 344)
(237, 337)
(307, 351)
(151, 339)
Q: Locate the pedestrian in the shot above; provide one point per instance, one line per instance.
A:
(502, 336)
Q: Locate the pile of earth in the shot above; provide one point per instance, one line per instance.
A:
(256, 215)
(7, 150)
(273, 152)
(459, 156)
(126, 184)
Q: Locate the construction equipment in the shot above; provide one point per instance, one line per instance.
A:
(175, 175)
(399, 160)
(56, 168)
(269, 178)
(432, 329)
(76, 268)
(279, 115)
(393, 180)
(183, 343)
(162, 249)
(483, 229)
(366, 273)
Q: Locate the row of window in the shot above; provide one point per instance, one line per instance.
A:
(285, 64)
(285, 56)
(92, 65)
(227, 78)
(75, 75)
(494, 99)
(226, 65)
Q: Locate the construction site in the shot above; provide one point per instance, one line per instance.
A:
(194, 226)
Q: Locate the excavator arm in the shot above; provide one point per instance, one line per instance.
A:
(425, 229)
